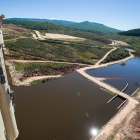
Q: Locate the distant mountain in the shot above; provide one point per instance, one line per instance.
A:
(134, 32)
(41, 25)
(63, 22)
(92, 27)
(95, 26)
(50, 27)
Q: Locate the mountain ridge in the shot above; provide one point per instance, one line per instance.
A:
(90, 26)
(96, 26)
(63, 22)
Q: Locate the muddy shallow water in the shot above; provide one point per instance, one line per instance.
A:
(129, 73)
(68, 108)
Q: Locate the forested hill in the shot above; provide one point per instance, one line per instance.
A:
(134, 32)
(50, 27)
(96, 27)
(63, 22)
(47, 26)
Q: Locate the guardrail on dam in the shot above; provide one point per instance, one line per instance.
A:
(8, 126)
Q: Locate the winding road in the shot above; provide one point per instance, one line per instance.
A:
(104, 57)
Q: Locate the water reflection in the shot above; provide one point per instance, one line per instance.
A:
(94, 131)
(130, 73)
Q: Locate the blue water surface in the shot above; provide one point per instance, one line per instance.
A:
(130, 73)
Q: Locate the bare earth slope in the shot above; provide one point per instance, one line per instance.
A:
(61, 36)
(14, 27)
(56, 36)
(121, 43)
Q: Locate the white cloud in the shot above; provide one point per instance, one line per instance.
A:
(61, 16)
(53, 18)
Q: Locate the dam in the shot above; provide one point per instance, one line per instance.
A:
(8, 126)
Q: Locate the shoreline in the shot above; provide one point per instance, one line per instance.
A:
(15, 76)
(107, 130)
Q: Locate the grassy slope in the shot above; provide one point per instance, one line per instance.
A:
(12, 34)
(59, 52)
(80, 42)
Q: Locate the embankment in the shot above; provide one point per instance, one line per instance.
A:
(109, 128)
(16, 76)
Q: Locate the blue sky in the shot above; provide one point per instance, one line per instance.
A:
(119, 14)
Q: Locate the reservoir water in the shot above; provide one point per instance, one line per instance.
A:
(118, 76)
(68, 108)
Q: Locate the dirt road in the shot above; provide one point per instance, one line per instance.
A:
(104, 57)
(34, 36)
(38, 34)
(26, 61)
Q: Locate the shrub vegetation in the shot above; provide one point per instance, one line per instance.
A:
(57, 51)
(9, 37)
(39, 69)
(118, 54)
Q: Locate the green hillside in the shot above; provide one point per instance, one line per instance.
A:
(134, 32)
(133, 41)
(118, 54)
(90, 26)
(49, 27)
(55, 50)
(39, 25)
